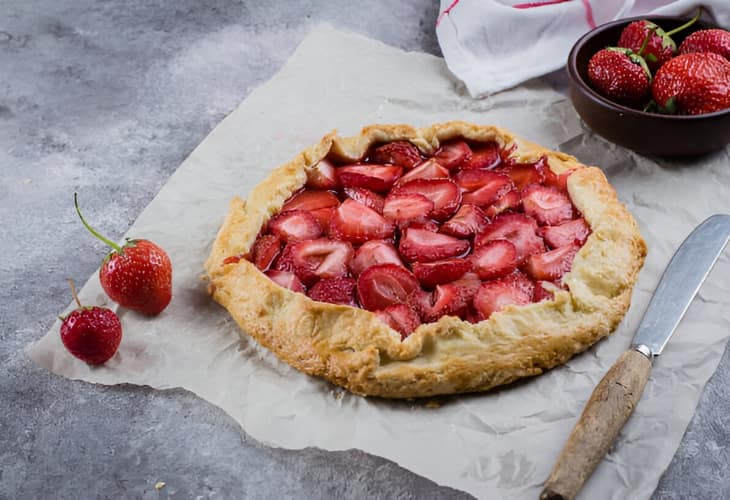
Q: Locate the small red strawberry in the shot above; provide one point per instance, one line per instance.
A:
(693, 84)
(92, 334)
(136, 275)
(621, 75)
(335, 291)
(651, 42)
(714, 40)
(401, 153)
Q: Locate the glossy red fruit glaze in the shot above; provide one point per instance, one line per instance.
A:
(495, 295)
(574, 231)
(509, 201)
(372, 253)
(439, 272)
(546, 204)
(484, 155)
(453, 154)
(286, 279)
(494, 259)
(444, 194)
(357, 223)
(407, 207)
(324, 217)
(138, 278)
(311, 200)
(518, 229)
(468, 221)
(429, 169)
(366, 197)
(712, 40)
(265, 251)
(401, 153)
(335, 291)
(92, 334)
(420, 245)
(320, 259)
(552, 265)
(385, 285)
(378, 178)
(322, 176)
(401, 318)
(295, 225)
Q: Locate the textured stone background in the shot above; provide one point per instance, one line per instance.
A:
(107, 97)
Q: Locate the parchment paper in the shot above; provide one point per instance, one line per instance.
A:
(500, 444)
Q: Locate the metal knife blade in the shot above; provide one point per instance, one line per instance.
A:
(680, 282)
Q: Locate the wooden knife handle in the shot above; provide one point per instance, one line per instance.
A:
(606, 412)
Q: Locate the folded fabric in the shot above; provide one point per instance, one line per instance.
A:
(492, 45)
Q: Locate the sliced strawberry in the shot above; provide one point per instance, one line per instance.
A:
(444, 194)
(286, 279)
(384, 285)
(322, 176)
(446, 300)
(233, 259)
(552, 265)
(335, 291)
(483, 187)
(295, 225)
(468, 221)
(311, 200)
(420, 245)
(401, 318)
(324, 216)
(494, 295)
(357, 223)
(484, 155)
(372, 253)
(321, 258)
(523, 174)
(544, 290)
(494, 259)
(401, 153)
(453, 154)
(378, 178)
(518, 229)
(508, 201)
(367, 198)
(406, 207)
(265, 250)
(426, 225)
(431, 274)
(574, 231)
(468, 285)
(546, 204)
(285, 261)
(429, 169)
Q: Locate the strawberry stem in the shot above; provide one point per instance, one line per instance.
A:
(687, 24)
(646, 40)
(94, 231)
(73, 292)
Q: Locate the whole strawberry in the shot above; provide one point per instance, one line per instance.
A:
(714, 40)
(620, 74)
(92, 334)
(651, 42)
(136, 275)
(693, 84)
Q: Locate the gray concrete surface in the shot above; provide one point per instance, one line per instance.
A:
(108, 97)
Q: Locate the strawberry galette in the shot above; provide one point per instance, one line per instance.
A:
(410, 262)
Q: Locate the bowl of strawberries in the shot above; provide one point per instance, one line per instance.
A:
(659, 85)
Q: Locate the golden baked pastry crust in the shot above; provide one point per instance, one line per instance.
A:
(351, 347)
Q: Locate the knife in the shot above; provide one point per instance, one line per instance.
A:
(614, 398)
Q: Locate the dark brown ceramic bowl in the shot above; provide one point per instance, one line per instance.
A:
(647, 133)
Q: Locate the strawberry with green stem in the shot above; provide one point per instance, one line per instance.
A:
(621, 75)
(136, 275)
(92, 334)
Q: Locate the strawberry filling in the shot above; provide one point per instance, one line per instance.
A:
(465, 232)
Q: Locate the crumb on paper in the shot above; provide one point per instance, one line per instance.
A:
(159, 485)
(433, 404)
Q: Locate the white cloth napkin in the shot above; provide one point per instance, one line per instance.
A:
(492, 45)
